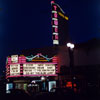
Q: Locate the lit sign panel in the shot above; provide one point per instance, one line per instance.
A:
(55, 42)
(8, 87)
(38, 65)
(39, 69)
(52, 84)
(55, 23)
(14, 58)
(14, 69)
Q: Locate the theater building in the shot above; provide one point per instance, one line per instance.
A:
(41, 69)
(33, 73)
(37, 70)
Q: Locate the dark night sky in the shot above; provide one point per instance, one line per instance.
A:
(26, 24)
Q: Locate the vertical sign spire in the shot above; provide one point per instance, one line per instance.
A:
(54, 22)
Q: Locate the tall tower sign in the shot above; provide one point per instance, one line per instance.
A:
(55, 23)
(59, 25)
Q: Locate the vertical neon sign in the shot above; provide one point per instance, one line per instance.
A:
(54, 22)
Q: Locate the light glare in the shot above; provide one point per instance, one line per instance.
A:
(70, 45)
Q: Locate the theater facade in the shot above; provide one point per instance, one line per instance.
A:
(32, 73)
(35, 71)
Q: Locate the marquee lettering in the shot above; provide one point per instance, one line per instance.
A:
(55, 7)
(55, 22)
(55, 15)
(56, 37)
(56, 29)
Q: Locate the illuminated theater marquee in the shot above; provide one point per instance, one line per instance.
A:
(39, 69)
(38, 65)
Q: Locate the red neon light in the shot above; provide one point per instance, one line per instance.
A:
(57, 69)
(39, 54)
(21, 66)
(56, 30)
(55, 22)
(9, 58)
(55, 15)
(55, 7)
(69, 84)
(55, 60)
(37, 63)
(74, 85)
(56, 37)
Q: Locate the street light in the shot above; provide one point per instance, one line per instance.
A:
(70, 45)
(70, 48)
(71, 57)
